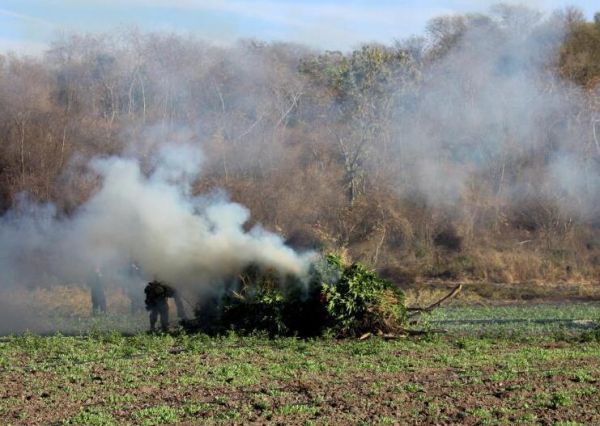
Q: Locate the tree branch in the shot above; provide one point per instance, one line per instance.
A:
(454, 292)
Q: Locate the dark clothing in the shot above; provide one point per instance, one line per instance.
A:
(156, 291)
(157, 294)
(160, 308)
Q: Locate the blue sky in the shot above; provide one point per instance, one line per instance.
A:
(26, 26)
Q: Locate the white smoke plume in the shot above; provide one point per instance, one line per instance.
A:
(192, 242)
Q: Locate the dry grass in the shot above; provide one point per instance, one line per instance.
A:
(64, 300)
(497, 265)
(501, 293)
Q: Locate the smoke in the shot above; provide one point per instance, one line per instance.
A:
(492, 110)
(191, 241)
(484, 112)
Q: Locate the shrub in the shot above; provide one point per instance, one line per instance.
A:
(348, 300)
(261, 299)
(359, 301)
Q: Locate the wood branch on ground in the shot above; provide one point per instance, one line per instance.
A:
(403, 334)
(418, 310)
(425, 332)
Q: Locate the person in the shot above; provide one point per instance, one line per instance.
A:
(97, 292)
(157, 293)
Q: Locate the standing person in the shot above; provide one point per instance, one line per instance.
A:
(97, 292)
(157, 294)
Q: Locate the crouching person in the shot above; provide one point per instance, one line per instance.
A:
(157, 294)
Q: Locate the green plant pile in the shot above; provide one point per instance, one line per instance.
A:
(359, 301)
(343, 300)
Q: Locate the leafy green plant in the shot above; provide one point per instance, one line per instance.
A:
(158, 415)
(559, 400)
(259, 309)
(262, 300)
(346, 300)
(359, 301)
(92, 417)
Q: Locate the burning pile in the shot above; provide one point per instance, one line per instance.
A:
(347, 300)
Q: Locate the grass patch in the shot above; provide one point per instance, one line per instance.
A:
(104, 378)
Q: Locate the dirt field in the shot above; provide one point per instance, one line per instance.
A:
(508, 369)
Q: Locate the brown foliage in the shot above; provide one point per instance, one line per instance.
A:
(306, 141)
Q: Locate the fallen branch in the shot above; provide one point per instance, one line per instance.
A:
(454, 292)
(403, 334)
(365, 336)
(425, 332)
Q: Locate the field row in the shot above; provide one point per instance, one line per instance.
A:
(108, 378)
